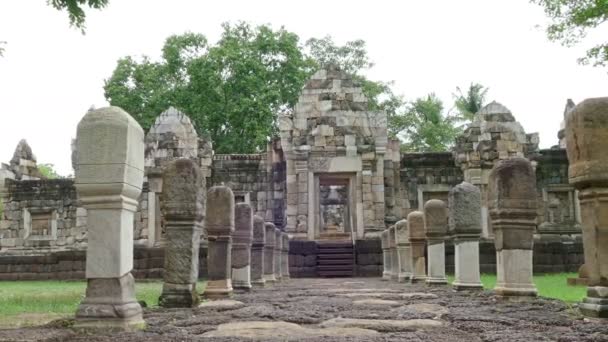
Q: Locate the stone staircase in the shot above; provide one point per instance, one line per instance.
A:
(335, 259)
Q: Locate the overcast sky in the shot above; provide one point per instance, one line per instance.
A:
(51, 74)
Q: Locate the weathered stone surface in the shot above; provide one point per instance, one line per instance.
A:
(382, 325)
(512, 204)
(182, 206)
(219, 224)
(221, 304)
(262, 330)
(109, 178)
(269, 249)
(392, 243)
(465, 227)
(241, 247)
(285, 256)
(376, 303)
(425, 308)
(587, 138)
(257, 252)
(417, 238)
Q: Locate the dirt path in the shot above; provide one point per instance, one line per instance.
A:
(352, 309)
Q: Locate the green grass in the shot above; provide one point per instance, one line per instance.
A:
(33, 301)
(548, 285)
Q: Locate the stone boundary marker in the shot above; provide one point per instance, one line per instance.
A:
(219, 223)
(182, 206)
(109, 178)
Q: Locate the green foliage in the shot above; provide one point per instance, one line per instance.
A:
(571, 21)
(75, 9)
(427, 128)
(232, 90)
(48, 171)
(351, 57)
(469, 103)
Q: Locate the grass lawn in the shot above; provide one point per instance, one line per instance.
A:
(36, 302)
(548, 285)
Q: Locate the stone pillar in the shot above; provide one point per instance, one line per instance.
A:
(403, 249)
(436, 225)
(513, 211)
(182, 206)
(241, 247)
(269, 253)
(415, 222)
(386, 256)
(278, 250)
(109, 178)
(465, 227)
(392, 243)
(219, 223)
(257, 252)
(587, 137)
(285, 257)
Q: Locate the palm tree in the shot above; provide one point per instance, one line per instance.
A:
(470, 103)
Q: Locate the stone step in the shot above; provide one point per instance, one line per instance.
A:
(335, 251)
(334, 268)
(330, 274)
(324, 245)
(335, 256)
(322, 262)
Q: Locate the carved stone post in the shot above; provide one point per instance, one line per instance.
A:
(465, 226)
(269, 253)
(257, 252)
(436, 225)
(219, 223)
(241, 247)
(386, 256)
(417, 237)
(512, 204)
(109, 178)
(278, 250)
(587, 137)
(403, 249)
(392, 243)
(285, 257)
(182, 206)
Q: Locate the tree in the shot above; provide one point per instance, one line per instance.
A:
(232, 91)
(467, 105)
(427, 128)
(572, 19)
(75, 9)
(48, 171)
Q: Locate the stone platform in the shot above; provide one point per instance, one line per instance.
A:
(354, 309)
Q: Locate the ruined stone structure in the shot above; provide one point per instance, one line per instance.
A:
(332, 175)
(269, 249)
(182, 208)
(257, 252)
(403, 250)
(241, 247)
(417, 238)
(392, 245)
(587, 136)
(331, 139)
(386, 256)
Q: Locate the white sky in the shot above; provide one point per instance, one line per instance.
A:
(51, 74)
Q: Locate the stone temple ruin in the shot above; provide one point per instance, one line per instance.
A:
(333, 196)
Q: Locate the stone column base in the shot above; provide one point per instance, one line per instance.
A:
(240, 278)
(596, 303)
(258, 283)
(458, 286)
(179, 296)
(514, 273)
(436, 281)
(218, 289)
(417, 279)
(404, 277)
(270, 279)
(110, 305)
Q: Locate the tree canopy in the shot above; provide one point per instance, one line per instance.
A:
(572, 20)
(75, 9)
(427, 127)
(467, 104)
